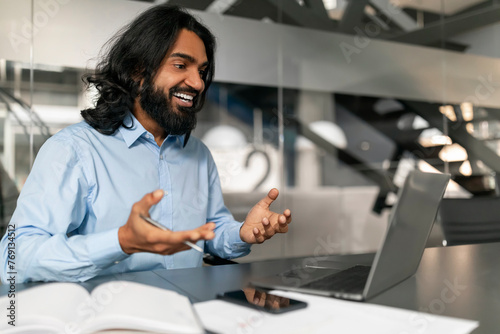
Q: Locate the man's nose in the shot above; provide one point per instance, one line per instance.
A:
(195, 81)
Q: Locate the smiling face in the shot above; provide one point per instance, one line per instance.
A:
(174, 98)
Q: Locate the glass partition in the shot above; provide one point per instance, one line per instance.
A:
(332, 102)
(16, 98)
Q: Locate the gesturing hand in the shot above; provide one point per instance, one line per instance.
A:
(139, 236)
(261, 223)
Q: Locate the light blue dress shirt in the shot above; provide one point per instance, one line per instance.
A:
(81, 190)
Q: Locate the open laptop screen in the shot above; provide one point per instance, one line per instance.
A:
(409, 226)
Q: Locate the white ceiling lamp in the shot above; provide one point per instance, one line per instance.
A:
(335, 8)
(470, 128)
(412, 122)
(385, 106)
(449, 112)
(419, 123)
(331, 132)
(330, 4)
(433, 137)
(452, 153)
(467, 111)
(224, 137)
(465, 169)
(453, 189)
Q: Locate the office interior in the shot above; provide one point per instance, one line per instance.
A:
(332, 102)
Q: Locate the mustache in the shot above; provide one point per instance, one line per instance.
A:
(189, 90)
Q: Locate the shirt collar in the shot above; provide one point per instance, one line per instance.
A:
(132, 129)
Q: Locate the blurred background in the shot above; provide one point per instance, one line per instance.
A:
(331, 101)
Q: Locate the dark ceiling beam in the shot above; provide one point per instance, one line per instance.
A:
(192, 4)
(255, 9)
(437, 31)
(457, 132)
(450, 45)
(397, 16)
(493, 114)
(303, 15)
(318, 8)
(353, 15)
(481, 5)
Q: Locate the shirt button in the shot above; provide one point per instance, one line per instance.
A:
(116, 262)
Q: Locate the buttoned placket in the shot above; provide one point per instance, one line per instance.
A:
(165, 206)
(166, 203)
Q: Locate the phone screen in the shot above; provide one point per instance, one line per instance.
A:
(262, 300)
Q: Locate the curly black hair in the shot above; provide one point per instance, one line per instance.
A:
(135, 54)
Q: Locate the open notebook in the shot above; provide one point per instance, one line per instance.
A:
(69, 308)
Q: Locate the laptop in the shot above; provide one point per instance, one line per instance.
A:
(410, 223)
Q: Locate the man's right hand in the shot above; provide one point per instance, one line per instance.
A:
(139, 236)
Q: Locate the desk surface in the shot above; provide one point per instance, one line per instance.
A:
(458, 281)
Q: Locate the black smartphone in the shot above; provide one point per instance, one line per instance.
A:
(262, 300)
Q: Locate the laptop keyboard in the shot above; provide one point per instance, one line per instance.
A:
(351, 280)
(294, 273)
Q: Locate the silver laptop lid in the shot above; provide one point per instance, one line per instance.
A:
(409, 226)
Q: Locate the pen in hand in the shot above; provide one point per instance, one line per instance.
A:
(162, 227)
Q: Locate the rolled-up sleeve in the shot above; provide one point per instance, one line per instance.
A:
(51, 208)
(227, 242)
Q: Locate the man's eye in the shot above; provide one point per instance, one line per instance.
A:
(202, 72)
(180, 66)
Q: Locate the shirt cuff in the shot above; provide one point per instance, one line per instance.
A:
(105, 249)
(238, 246)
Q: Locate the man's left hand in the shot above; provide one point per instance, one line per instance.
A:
(261, 223)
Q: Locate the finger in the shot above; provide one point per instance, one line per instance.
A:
(207, 231)
(210, 226)
(282, 220)
(197, 234)
(175, 249)
(269, 229)
(206, 235)
(282, 226)
(175, 239)
(259, 298)
(284, 302)
(148, 201)
(288, 216)
(249, 293)
(275, 304)
(168, 243)
(259, 238)
(269, 199)
(262, 297)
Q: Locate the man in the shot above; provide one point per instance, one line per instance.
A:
(78, 215)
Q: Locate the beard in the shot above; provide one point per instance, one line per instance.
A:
(175, 121)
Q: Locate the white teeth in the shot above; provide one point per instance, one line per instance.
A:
(183, 96)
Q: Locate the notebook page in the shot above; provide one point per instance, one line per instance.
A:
(49, 306)
(141, 307)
